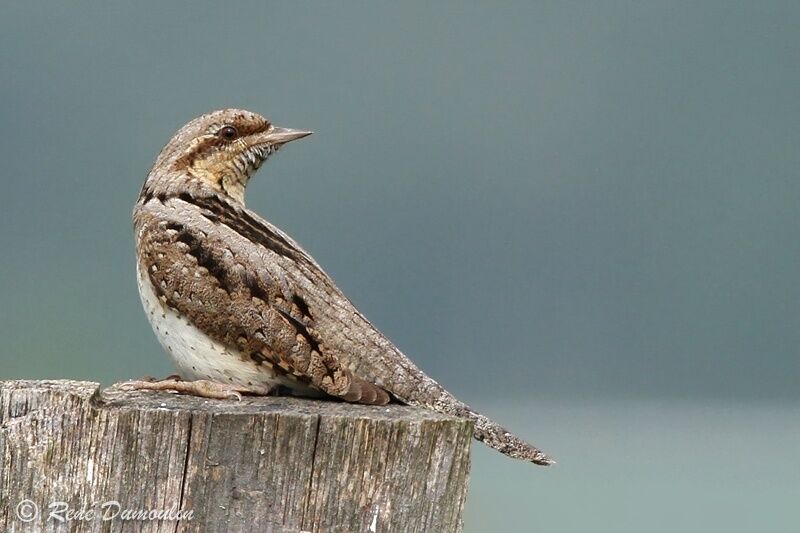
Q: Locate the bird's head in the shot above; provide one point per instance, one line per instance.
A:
(224, 148)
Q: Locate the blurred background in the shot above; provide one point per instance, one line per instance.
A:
(599, 200)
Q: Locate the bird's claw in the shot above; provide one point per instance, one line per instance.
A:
(202, 387)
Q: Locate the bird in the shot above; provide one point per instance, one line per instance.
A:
(241, 308)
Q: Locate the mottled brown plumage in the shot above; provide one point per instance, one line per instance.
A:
(236, 301)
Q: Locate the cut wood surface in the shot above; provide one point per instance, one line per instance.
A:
(111, 460)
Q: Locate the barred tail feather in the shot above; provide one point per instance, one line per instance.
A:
(489, 432)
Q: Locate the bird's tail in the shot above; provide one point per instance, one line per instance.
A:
(489, 432)
(497, 437)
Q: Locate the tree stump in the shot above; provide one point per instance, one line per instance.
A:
(75, 458)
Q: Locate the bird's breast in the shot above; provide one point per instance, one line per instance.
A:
(195, 354)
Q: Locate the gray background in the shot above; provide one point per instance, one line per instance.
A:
(580, 217)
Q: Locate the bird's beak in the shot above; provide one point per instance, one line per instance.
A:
(277, 135)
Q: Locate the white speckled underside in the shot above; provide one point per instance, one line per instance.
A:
(197, 356)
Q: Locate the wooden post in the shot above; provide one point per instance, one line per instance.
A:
(278, 464)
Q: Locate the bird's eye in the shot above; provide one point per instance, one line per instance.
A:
(228, 133)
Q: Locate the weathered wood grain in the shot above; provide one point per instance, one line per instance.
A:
(262, 464)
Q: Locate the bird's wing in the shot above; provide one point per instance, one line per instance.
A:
(238, 291)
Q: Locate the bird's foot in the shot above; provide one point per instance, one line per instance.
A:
(151, 379)
(202, 387)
